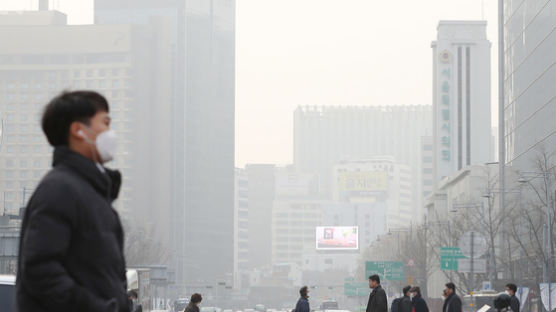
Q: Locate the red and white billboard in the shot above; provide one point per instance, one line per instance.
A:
(337, 238)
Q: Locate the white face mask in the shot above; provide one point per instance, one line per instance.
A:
(507, 292)
(411, 296)
(106, 143)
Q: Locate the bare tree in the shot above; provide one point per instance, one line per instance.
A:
(527, 227)
(141, 246)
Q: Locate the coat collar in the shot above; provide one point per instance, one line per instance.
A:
(106, 183)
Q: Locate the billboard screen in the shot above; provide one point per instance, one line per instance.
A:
(337, 238)
(362, 182)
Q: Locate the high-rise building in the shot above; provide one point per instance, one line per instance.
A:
(324, 136)
(530, 72)
(461, 97)
(261, 198)
(102, 58)
(427, 169)
(202, 192)
(241, 226)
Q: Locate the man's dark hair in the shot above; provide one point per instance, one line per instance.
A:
(452, 286)
(132, 293)
(406, 289)
(67, 108)
(512, 287)
(303, 291)
(416, 289)
(196, 298)
(375, 278)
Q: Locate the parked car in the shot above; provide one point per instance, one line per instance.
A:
(329, 305)
(7, 293)
(180, 304)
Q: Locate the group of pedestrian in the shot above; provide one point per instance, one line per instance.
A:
(411, 301)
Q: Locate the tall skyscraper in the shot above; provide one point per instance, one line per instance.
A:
(324, 136)
(461, 97)
(261, 198)
(530, 72)
(203, 91)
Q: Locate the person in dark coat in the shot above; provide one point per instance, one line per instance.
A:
(502, 303)
(453, 301)
(405, 304)
(193, 305)
(395, 304)
(134, 305)
(511, 289)
(377, 299)
(419, 304)
(71, 242)
(303, 302)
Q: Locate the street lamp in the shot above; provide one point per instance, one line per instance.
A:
(547, 264)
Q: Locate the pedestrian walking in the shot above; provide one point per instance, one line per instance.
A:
(134, 305)
(194, 303)
(419, 304)
(453, 301)
(511, 289)
(71, 242)
(405, 304)
(395, 304)
(303, 302)
(377, 299)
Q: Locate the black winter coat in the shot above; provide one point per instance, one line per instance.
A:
(452, 304)
(302, 305)
(191, 307)
(71, 245)
(377, 301)
(405, 305)
(514, 303)
(420, 304)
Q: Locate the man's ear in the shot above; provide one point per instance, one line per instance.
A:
(76, 131)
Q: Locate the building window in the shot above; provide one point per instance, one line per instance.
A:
(23, 163)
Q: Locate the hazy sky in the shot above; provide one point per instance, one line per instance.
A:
(323, 52)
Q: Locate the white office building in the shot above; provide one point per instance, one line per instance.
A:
(461, 97)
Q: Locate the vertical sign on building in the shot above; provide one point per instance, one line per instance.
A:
(445, 136)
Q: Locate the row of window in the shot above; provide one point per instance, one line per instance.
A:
(23, 163)
(23, 174)
(27, 149)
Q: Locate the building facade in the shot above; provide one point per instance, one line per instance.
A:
(325, 136)
(530, 101)
(100, 59)
(261, 198)
(241, 226)
(202, 92)
(378, 180)
(461, 97)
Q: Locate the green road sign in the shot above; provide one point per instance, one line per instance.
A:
(387, 270)
(356, 289)
(449, 258)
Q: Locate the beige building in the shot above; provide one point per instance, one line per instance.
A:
(40, 57)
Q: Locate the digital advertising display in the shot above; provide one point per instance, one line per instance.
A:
(337, 238)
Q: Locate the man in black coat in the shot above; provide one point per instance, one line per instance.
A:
(405, 304)
(511, 289)
(453, 301)
(377, 299)
(303, 302)
(71, 246)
